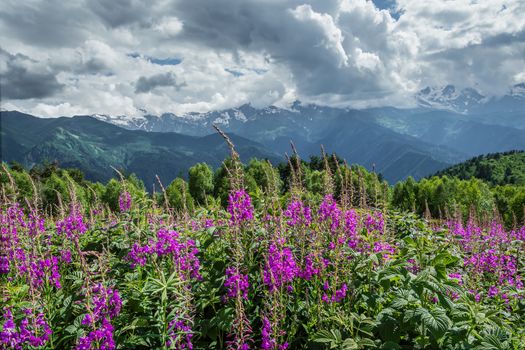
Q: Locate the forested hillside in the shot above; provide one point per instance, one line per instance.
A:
(496, 168)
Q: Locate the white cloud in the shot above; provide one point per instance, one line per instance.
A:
(339, 52)
(169, 26)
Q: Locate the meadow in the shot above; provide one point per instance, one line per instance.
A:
(253, 267)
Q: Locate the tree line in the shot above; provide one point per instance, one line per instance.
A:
(436, 197)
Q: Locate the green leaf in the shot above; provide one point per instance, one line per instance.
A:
(436, 321)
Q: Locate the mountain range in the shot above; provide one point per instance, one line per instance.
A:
(449, 125)
(94, 146)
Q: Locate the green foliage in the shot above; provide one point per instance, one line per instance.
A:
(264, 175)
(179, 196)
(400, 293)
(200, 179)
(496, 168)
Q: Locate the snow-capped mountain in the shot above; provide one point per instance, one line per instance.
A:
(507, 110)
(137, 122)
(470, 101)
(399, 142)
(194, 123)
(450, 98)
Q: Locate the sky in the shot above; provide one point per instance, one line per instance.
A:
(130, 57)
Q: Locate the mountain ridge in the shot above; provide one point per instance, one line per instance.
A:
(95, 146)
(395, 142)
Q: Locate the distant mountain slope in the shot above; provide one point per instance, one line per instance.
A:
(470, 101)
(95, 146)
(471, 135)
(395, 142)
(398, 141)
(352, 134)
(497, 169)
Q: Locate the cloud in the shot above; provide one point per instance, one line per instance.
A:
(71, 57)
(50, 23)
(23, 79)
(116, 13)
(147, 84)
(328, 47)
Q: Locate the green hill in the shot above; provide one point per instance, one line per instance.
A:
(496, 168)
(95, 146)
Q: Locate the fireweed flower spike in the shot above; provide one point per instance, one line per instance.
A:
(329, 210)
(73, 225)
(180, 334)
(168, 243)
(236, 283)
(297, 213)
(280, 267)
(240, 207)
(105, 306)
(124, 201)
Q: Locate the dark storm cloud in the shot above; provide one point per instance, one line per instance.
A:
(147, 84)
(51, 23)
(18, 82)
(116, 13)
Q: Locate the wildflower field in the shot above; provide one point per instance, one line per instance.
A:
(264, 270)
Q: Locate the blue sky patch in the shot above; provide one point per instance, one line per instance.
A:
(387, 5)
(170, 61)
(234, 72)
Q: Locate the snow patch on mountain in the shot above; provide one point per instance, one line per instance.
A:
(450, 98)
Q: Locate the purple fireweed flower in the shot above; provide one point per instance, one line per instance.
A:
(65, 256)
(268, 341)
(73, 225)
(50, 267)
(32, 331)
(385, 248)
(236, 283)
(100, 338)
(457, 277)
(208, 223)
(124, 201)
(338, 296)
(4, 264)
(309, 269)
(280, 267)
(493, 291)
(240, 207)
(35, 224)
(138, 255)
(351, 223)
(298, 214)
(413, 267)
(375, 222)
(37, 270)
(106, 302)
(329, 210)
(168, 243)
(105, 305)
(180, 334)
(502, 266)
